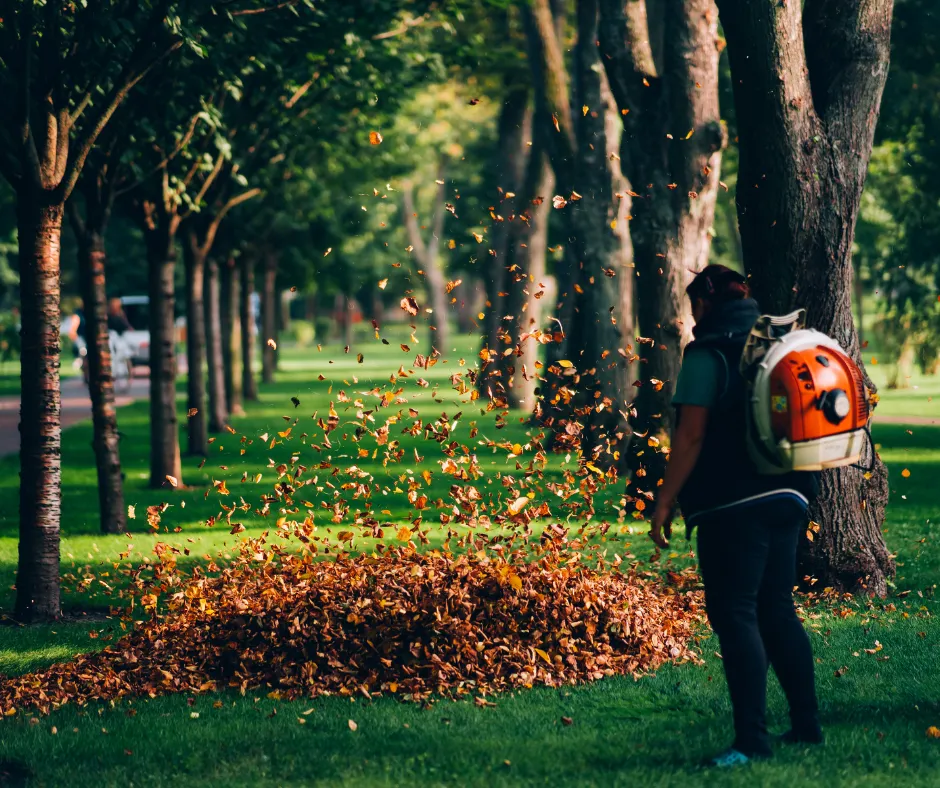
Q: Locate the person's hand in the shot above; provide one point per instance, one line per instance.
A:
(661, 527)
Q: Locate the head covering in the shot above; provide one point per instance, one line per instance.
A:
(717, 283)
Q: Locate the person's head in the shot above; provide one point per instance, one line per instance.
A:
(114, 306)
(715, 285)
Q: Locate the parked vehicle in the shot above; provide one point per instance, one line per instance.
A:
(137, 337)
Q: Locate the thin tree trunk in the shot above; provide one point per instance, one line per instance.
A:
(91, 275)
(349, 308)
(807, 91)
(165, 464)
(269, 318)
(37, 577)
(231, 338)
(249, 385)
(514, 130)
(197, 430)
(217, 410)
(520, 377)
(428, 255)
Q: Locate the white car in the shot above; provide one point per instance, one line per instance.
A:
(137, 339)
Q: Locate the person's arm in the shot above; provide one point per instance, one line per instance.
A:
(683, 454)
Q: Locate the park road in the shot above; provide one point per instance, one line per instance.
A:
(76, 407)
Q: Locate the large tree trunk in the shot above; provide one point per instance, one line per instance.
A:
(662, 63)
(231, 339)
(91, 276)
(249, 385)
(807, 91)
(197, 431)
(269, 318)
(37, 577)
(165, 465)
(217, 410)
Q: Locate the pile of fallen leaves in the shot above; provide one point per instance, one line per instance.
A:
(401, 622)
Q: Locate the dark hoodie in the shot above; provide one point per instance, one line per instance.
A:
(724, 475)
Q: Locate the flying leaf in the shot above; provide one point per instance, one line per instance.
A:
(375, 138)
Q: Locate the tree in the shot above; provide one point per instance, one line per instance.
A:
(807, 92)
(661, 61)
(67, 68)
(587, 364)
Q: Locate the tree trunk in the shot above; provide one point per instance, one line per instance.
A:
(197, 431)
(249, 385)
(269, 318)
(164, 430)
(231, 337)
(859, 302)
(91, 275)
(662, 64)
(519, 374)
(514, 130)
(428, 255)
(217, 410)
(349, 314)
(37, 577)
(807, 92)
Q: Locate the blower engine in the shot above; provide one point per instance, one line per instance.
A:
(807, 405)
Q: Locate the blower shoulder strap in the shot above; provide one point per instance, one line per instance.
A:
(768, 330)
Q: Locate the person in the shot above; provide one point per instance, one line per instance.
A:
(117, 320)
(748, 524)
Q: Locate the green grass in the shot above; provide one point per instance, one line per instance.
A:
(652, 732)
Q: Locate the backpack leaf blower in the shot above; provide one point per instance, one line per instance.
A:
(807, 405)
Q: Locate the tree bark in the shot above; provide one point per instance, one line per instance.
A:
(165, 461)
(231, 339)
(37, 578)
(662, 64)
(428, 256)
(269, 317)
(514, 129)
(807, 92)
(249, 385)
(217, 411)
(197, 430)
(91, 275)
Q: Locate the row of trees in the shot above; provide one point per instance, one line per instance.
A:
(806, 89)
(606, 149)
(171, 115)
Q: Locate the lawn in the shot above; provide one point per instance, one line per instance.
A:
(655, 731)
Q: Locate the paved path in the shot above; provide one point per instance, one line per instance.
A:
(914, 421)
(76, 407)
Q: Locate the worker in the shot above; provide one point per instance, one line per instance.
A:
(117, 320)
(748, 524)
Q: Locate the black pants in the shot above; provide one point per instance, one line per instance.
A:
(748, 565)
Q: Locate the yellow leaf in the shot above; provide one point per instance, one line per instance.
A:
(131, 512)
(382, 283)
(404, 534)
(905, 473)
(518, 505)
(565, 363)
(174, 482)
(584, 110)
(375, 138)
(516, 582)
(933, 732)
(353, 726)
(516, 448)
(544, 655)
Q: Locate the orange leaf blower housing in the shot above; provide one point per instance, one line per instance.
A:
(808, 405)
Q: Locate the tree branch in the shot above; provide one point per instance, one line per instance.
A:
(404, 27)
(145, 56)
(277, 7)
(848, 48)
